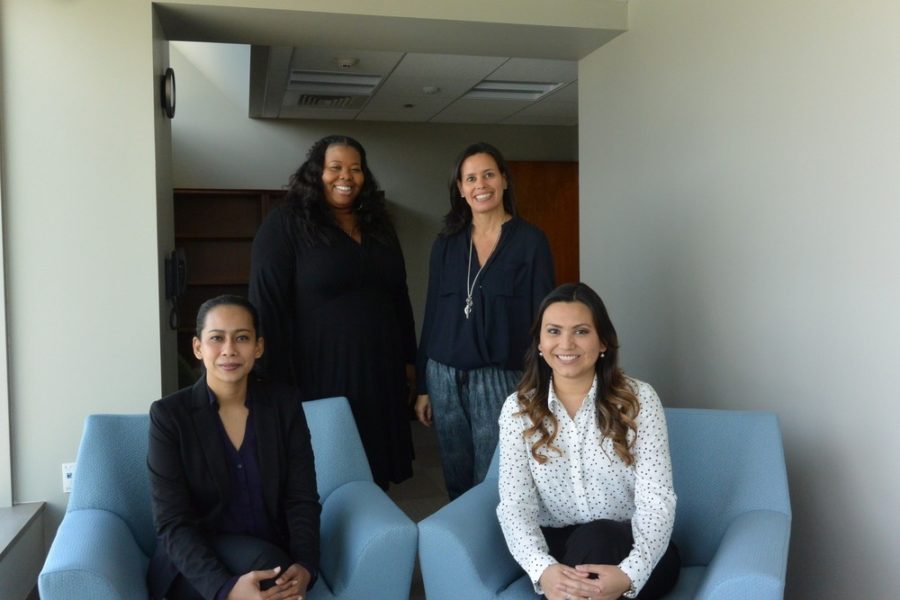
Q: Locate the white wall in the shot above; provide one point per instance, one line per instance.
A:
(80, 234)
(215, 145)
(740, 207)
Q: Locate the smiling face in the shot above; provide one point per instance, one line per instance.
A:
(569, 341)
(228, 345)
(342, 176)
(482, 184)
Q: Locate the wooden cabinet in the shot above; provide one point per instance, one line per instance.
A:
(216, 229)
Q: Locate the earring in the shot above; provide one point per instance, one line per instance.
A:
(540, 353)
(602, 354)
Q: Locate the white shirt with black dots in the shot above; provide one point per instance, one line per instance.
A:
(588, 482)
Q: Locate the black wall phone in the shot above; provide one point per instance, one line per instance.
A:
(176, 282)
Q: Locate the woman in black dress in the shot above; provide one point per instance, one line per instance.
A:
(329, 281)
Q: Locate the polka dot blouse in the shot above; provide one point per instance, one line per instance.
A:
(588, 482)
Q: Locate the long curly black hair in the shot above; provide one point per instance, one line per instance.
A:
(306, 197)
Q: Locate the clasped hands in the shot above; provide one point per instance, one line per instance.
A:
(291, 585)
(584, 582)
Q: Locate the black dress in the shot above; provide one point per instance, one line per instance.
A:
(337, 321)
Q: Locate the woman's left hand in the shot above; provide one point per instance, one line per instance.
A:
(611, 581)
(296, 579)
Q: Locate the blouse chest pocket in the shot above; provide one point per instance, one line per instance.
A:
(501, 282)
(449, 287)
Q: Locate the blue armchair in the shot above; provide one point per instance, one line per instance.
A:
(732, 522)
(102, 547)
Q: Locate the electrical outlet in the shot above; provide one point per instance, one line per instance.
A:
(68, 476)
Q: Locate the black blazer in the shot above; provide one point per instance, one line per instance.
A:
(189, 481)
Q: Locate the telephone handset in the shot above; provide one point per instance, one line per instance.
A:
(176, 282)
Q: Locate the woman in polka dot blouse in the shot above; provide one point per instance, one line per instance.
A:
(586, 497)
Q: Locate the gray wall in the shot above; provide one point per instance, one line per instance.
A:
(740, 214)
(80, 226)
(215, 145)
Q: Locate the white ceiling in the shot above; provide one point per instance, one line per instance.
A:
(409, 48)
(401, 94)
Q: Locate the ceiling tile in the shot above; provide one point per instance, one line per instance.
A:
(371, 62)
(479, 111)
(412, 86)
(535, 69)
(450, 66)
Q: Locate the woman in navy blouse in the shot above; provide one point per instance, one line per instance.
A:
(488, 272)
(232, 475)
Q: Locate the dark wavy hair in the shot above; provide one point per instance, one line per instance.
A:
(617, 405)
(225, 300)
(306, 197)
(460, 214)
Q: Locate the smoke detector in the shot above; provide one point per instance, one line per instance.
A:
(346, 63)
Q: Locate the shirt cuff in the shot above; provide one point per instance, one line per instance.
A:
(631, 566)
(536, 568)
(313, 573)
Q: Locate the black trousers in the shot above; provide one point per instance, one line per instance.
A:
(607, 542)
(241, 554)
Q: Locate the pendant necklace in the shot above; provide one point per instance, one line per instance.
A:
(470, 287)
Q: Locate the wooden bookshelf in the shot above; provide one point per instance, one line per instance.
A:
(216, 230)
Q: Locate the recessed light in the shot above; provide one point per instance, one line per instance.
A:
(510, 90)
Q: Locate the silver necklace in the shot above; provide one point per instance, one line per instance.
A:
(470, 287)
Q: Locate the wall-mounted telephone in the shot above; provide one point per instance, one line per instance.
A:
(176, 282)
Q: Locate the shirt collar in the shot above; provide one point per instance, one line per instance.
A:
(554, 404)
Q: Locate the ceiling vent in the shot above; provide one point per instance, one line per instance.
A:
(331, 101)
(332, 83)
(510, 90)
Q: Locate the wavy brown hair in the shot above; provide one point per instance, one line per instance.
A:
(617, 405)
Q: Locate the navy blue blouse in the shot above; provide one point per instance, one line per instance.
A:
(245, 513)
(509, 290)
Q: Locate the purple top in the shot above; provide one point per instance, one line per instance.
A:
(245, 513)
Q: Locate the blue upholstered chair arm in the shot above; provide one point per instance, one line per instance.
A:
(751, 560)
(94, 555)
(366, 541)
(462, 551)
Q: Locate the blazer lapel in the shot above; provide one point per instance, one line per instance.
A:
(207, 428)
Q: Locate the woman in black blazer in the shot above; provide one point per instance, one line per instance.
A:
(232, 474)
